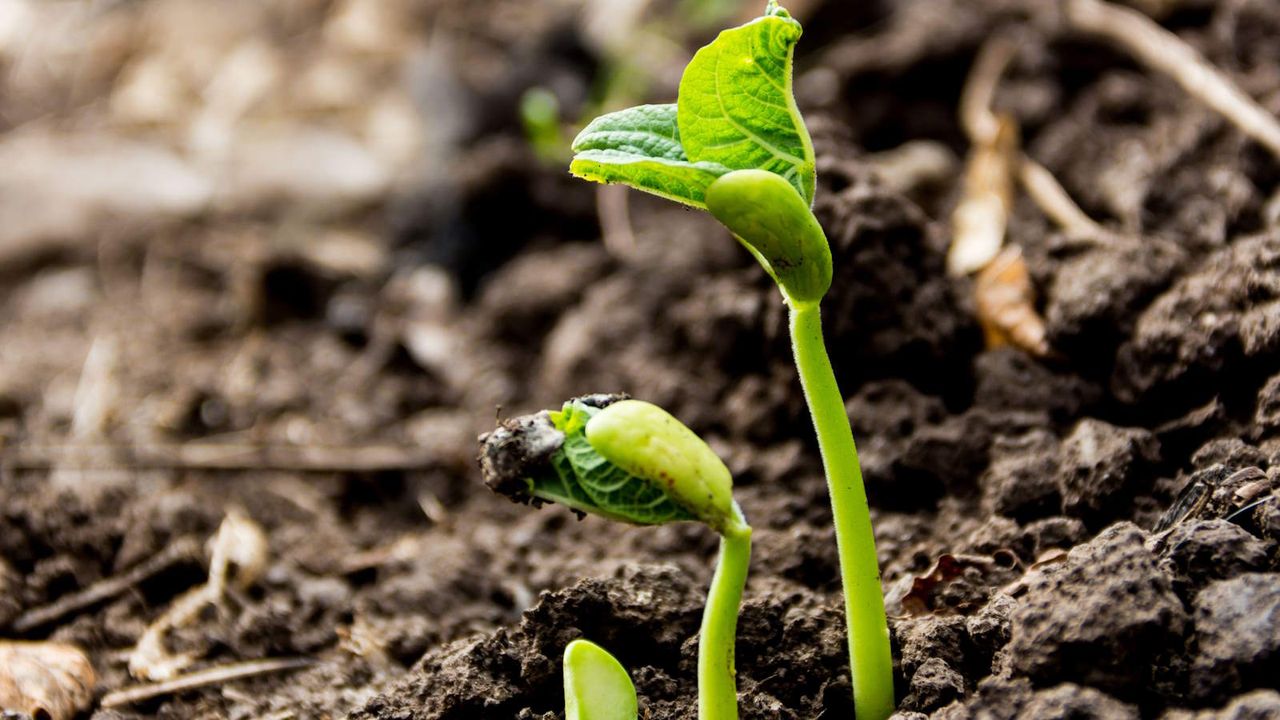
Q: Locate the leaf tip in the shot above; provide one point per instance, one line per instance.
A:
(773, 9)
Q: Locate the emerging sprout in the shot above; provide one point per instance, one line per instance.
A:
(540, 115)
(596, 686)
(735, 144)
(632, 461)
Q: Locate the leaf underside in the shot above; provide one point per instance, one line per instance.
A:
(735, 111)
(678, 180)
(583, 480)
(640, 147)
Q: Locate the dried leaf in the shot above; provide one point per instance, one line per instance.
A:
(979, 220)
(44, 679)
(1006, 304)
(918, 595)
(1051, 557)
(1045, 564)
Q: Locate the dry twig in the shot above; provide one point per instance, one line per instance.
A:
(220, 456)
(1165, 52)
(1053, 200)
(107, 588)
(202, 678)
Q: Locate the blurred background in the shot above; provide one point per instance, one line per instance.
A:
(186, 182)
(265, 220)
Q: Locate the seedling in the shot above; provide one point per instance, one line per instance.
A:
(540, 115)
(735, 144)
(596, 686)
(632, 461)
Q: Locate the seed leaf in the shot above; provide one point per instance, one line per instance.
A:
(775, 223)
(735, 104)
(617, 493)
(582, 479)
(596, 686)
(642, 439)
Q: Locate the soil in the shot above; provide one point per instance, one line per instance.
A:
(1093, 534)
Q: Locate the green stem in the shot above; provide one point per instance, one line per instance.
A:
(717, 689)
(870, 659)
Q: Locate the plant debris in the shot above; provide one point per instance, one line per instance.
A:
(48, 680)
(204, 678)
(1165, 52)
(239, 545)
(922, 594)
(1006, 304)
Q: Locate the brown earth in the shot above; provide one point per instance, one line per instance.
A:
(348, 304)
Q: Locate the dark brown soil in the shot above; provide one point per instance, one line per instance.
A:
(1097, 533)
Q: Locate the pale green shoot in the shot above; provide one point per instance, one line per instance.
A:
(596, 686)
(540, 115)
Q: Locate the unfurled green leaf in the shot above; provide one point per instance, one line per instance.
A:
(596, 686)
(640, 147)
(735, 106)
(735, 111)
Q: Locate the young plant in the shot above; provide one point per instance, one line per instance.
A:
(596, 686)
(632, 461)
(735, 144)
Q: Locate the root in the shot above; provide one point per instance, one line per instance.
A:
(1164, 52)
(107, 588)
(1052, 199)
(202, 678)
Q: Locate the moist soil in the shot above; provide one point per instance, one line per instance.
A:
(1091, 534)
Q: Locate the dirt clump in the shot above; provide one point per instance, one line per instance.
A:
(1236, 635)
(1109, 599)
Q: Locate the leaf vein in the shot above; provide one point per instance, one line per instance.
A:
(724, 112)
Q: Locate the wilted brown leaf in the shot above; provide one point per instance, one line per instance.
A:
(919, 594)
(44, 679)
(1006, 304)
